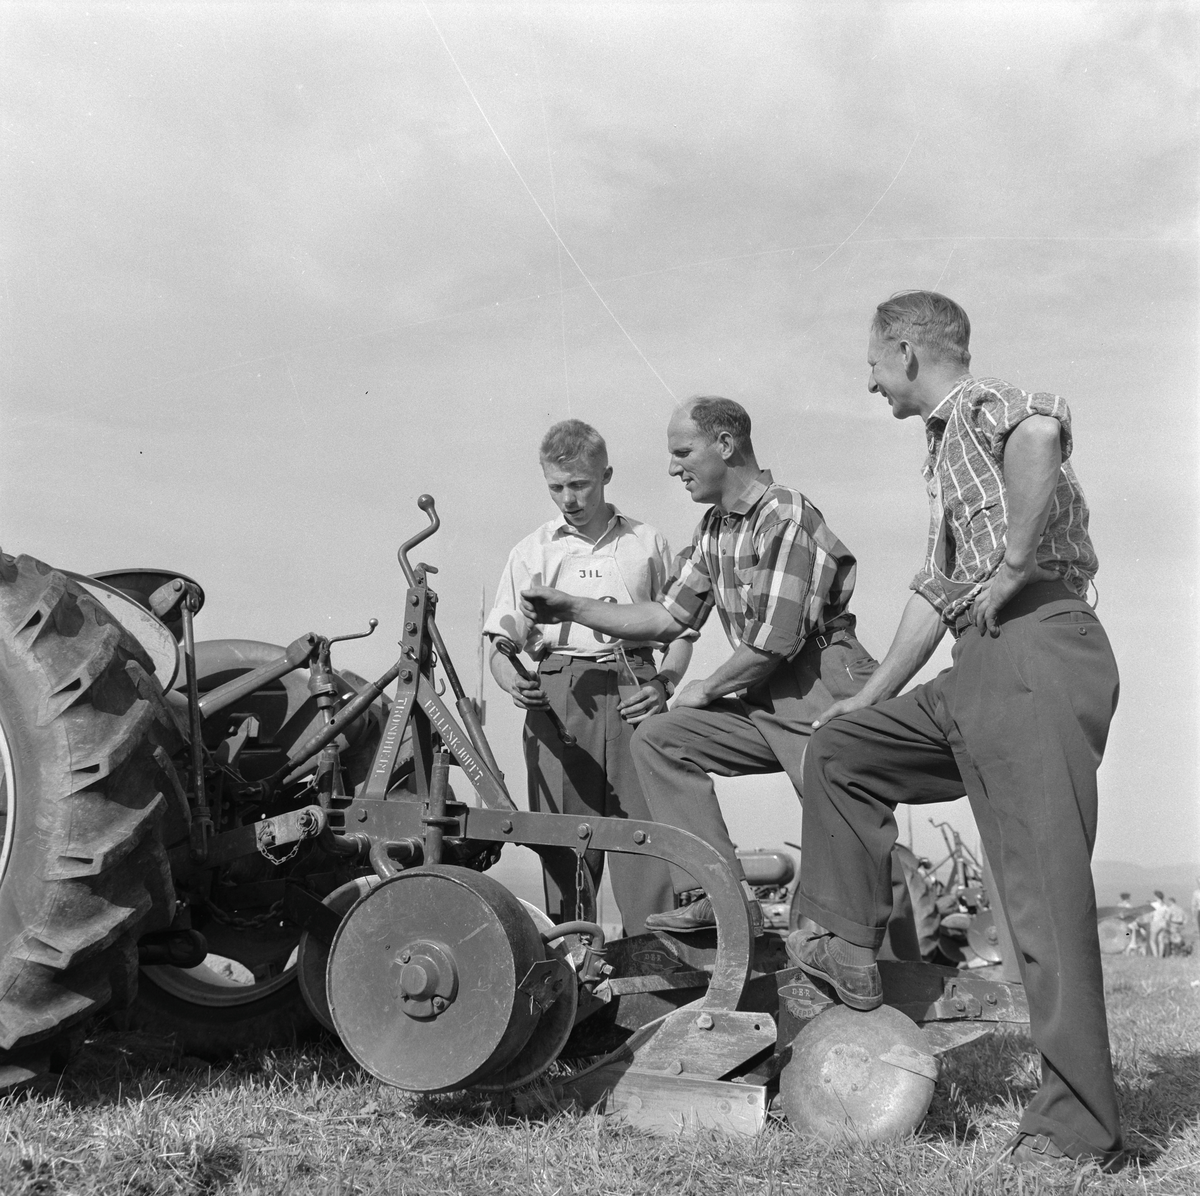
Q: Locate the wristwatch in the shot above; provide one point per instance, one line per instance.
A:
(667, 684)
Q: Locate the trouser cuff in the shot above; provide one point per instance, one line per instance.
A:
(1108, 1157)
(853, 932)
(684, 882)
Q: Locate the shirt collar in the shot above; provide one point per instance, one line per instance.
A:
(942, 411)
(748, 499)
(563, 528)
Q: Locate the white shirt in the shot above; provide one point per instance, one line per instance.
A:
(630, 562)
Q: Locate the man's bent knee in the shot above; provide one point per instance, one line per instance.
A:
(666, 734)
(831, 747)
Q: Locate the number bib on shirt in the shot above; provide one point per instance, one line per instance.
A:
(587, 577)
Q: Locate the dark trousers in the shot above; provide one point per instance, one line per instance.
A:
(1019, 722)
(764, 731)
(595, 777)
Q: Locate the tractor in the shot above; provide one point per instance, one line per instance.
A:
(235, 842)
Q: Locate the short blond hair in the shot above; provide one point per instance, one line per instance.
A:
(573, 440)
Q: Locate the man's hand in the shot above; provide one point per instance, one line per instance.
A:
(1032, 463)
(845, 706)
(650, 699)
(1004, 586)
(527, 693)
(541, 604)
(694, 693)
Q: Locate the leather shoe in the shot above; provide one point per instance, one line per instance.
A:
(1038, 1150)
(698, 915)
(855, 985)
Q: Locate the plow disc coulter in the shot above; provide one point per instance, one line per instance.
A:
(379, 914)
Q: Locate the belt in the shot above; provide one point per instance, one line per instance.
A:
(824, 636)
(643, 654)
(1026, 600)
(962, 623)
(1035, 594)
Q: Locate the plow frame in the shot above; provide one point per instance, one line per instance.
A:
(710, 1016)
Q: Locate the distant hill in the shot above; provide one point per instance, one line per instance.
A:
(1114, 877)
(520, 871)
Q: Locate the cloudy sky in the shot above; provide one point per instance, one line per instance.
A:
(271, 271)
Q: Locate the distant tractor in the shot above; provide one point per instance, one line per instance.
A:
(243, 848)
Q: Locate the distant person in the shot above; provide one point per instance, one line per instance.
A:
(1176, 921)
(1196, 904)
(765, 559)
(1157, 928)
(1019, 720)
(590, 550)
(1124, 907)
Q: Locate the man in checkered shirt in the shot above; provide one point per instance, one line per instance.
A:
(781, 582)
(1018, 721)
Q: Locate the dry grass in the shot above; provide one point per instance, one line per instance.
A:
(129, 1117)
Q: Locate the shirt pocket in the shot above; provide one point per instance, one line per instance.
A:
(743, 580)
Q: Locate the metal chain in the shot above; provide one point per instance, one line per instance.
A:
(264, 850)
(580, 883)
(240, 923)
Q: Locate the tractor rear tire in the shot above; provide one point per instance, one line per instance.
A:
(86, 783)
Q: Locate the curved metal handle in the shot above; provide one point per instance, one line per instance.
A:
(357, 635)
(425, 502)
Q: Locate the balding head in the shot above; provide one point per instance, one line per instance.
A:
(713, 415)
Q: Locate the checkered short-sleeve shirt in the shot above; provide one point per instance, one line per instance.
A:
(966, 434)
(771, 567)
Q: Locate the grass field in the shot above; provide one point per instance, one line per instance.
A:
(131, 1117)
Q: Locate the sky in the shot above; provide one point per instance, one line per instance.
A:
(271, 271)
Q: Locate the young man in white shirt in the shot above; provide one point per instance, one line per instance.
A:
(595, 551)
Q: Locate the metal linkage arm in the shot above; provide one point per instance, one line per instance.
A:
(297, 654)
(291, 771)
(735, 942)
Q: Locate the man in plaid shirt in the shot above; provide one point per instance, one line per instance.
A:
(781, 582)
(1018, 722)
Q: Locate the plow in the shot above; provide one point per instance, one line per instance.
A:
(232, 841)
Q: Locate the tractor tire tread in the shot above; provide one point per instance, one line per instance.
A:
(92, 875)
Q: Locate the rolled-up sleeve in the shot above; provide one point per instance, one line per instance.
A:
(928, 587)
(662, 568)
(1002, 408)
(779, 609)
(506, 618)
(688, 593)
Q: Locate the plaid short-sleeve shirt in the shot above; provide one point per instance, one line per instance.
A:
(771, 567)
(966, 434)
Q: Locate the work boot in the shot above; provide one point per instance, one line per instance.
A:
(816, 952)
(698, 915)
